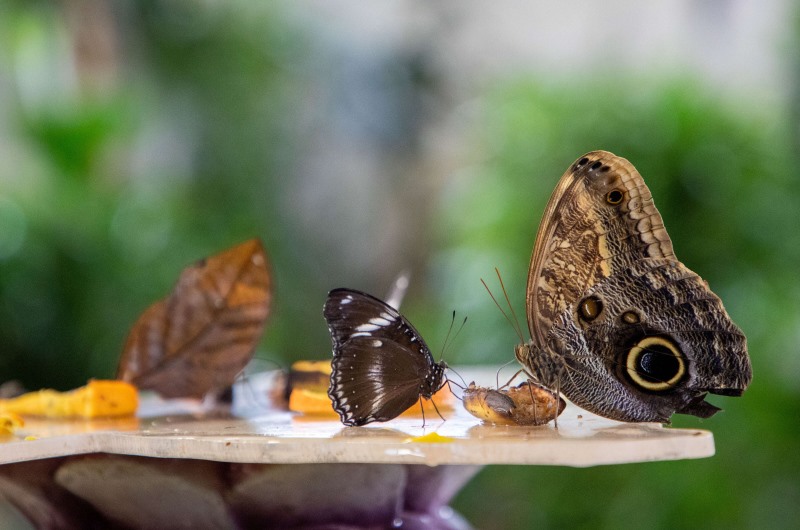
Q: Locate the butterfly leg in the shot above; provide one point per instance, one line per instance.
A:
(558, 396)
(546, 369)
(521, 370)
(533, 403)
(422, 409)
(437, 410)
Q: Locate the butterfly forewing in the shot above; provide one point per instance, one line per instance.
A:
(381, 366)
(579, 228)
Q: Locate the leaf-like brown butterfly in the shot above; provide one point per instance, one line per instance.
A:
(197, 339)
(617, 323)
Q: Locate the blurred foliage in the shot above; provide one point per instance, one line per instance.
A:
(105, 195)
(725, 182)
(108, 194)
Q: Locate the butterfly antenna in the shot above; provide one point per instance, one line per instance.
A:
(447, 342)
(447, 336)
(510, 306)
(514, 327)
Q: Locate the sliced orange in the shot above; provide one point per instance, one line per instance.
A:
(98, 399)
(9, 422)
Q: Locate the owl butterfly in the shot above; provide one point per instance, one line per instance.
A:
(196, 340)
(617, 323)
(381, 366)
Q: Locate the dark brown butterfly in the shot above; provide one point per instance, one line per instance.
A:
(381, 366)
(617, 323)
(196, 340)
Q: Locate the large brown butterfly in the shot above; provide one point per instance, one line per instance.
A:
(617, 323)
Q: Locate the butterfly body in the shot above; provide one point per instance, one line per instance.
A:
(381, 366)
(618, 324)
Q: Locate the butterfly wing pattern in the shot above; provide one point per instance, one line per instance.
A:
(381, 366)
(618, 324)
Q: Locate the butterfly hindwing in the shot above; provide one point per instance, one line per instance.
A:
(374, 380)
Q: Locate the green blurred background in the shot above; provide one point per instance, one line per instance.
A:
(358, 141)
